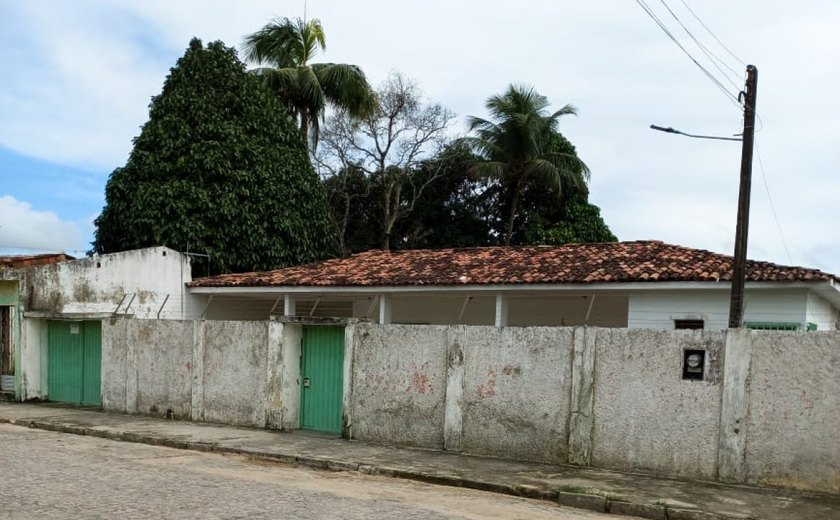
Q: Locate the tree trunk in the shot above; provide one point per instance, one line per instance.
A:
(304, 131)
(514, 202)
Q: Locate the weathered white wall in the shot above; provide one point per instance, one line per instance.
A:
(793, 426)
(821, 312)
(147, 366)
(399, 384)
(646, 417)
(97, 285)
(659, 309)
(235, 355)
(516, 395)
(767, 410)
(212, 371)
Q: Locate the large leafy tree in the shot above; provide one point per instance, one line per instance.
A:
(517, 146)
(218, 169)
(286, 47)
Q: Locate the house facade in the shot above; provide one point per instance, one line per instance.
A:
(644, 284)
(52, 307)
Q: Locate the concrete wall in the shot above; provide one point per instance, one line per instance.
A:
(516, 395)
(213, 371)
(147, 366)
(821, 313)
(235, 356)
(399, 384)
(646, 417)
(792, 430)
(146, 281)
(766, 411)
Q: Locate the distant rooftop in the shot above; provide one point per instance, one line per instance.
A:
(17, 261)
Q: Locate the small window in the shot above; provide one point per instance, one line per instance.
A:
(689, 324)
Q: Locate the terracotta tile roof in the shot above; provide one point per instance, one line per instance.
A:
(642, 261)
(18, 261)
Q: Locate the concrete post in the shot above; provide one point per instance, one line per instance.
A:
(347, 390)
(273, 370)
(384, 309)
(130, 368)
(289, 305)
(582, 399)
(453, 421)
(197, 387)
(289, 374)
(501, 310)
(735, 406)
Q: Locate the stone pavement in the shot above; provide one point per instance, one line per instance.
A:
(587, 488)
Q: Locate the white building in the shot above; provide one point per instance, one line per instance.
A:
(644, 284)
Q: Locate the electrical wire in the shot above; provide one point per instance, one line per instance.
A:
(647, 9)
(712, 34)
(772, 205)
(709, 54)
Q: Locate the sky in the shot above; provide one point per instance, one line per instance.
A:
(77, 79)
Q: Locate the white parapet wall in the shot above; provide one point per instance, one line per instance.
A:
(144, 283)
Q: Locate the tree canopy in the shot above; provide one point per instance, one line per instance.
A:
(218, 169)
(286, 47)
(517, 145)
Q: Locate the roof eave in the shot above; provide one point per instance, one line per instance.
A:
(826, 285)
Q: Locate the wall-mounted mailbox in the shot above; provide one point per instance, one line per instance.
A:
(694, 364)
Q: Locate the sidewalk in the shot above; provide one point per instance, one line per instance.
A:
(598, 490)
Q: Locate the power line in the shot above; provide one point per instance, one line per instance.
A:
(647, 9)
(772, 205)
(709, 54)
(712, 34)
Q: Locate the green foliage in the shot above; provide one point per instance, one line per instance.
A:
(286, 46)
(218, 169)
(518, 145)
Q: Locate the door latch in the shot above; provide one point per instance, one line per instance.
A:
(306, 382)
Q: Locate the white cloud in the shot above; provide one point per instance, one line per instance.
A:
(22, 227)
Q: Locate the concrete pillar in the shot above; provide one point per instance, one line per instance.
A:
(385, 309)
(131, 368)
(735, 406)
(289, 375)
(273, 370)
(289, 305)
(197, 388)
(347, 391)
(453, 421)
(501, 310)
(582, 401)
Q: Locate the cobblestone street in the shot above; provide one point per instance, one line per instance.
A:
(55, 475)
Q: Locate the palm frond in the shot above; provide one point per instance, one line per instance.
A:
(346, 87)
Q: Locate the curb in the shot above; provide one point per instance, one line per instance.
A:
(591, 502)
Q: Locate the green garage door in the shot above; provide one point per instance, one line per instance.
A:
(322, 378)
(74, 362)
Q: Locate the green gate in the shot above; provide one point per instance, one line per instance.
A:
(322, 378)
(74, 362)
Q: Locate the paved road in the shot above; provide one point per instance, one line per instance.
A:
(53, 475)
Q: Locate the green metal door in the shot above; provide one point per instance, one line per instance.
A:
(74, 362)
(322, 378)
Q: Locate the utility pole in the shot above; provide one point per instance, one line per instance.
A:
(736, 303)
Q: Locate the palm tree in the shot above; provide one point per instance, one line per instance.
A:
(517, 144)
(286, 46)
